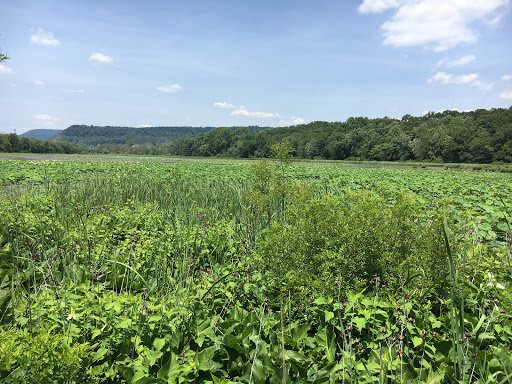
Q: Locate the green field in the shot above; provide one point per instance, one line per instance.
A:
(156, 270)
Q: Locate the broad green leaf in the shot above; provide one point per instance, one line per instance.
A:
(153, 356)
(299, 332)
(325, 340)
(204, 357)
(158, 343)
(360, 323)
(417, 341)
(328, 315)
(99, 354)
(169, 370)
(321, 300)
(296, 356)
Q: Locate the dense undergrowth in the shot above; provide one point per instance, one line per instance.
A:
(108, 277)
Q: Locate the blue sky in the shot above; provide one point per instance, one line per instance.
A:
(238, 63)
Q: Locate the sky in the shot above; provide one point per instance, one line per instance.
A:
(245, 62)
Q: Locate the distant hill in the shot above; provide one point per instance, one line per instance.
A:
(41, 134)
(95, 135)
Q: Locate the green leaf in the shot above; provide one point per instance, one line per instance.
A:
(169, 370)
(299, 332)
(158, 343)
(360, 323)
(125, 322)
(204, 357)
(417, 341)
(325, 341)
(22, 320)
(99, 354)
(321, 300)
(95, 333)
(296, 356)
(153, 356)
(259, 373)
(437, 376)
(328, 315)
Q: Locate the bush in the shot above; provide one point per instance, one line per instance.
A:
(347, 240)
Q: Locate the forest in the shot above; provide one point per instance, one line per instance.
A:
(94, 135)
(12, 143)
(480, 136)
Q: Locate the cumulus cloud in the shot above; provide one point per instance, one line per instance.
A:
(46, 120)
(242, 111)
(445, 63)
(171, 88)
(507, 95)
(38, 83)
(471, 79)
(506, 77)
(100, 58)
(42, 37)
(144, 126)
(435, 24)
(293, 121)
(5, 70)
(378, 6)
(447, 78)
(224, 105)
(482, 85)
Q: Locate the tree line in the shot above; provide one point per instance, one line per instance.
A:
(96, 135)
(480, 136)
(12, 143)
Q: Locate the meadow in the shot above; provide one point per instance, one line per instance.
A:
(161, 270)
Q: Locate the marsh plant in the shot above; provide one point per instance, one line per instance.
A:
(184, 274)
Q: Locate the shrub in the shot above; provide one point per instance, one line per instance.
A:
(345, 240)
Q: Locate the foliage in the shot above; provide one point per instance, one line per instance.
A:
(449, 137)
(479, 136)
(147, 272)
(13, 143)
(335, 242)
(128, 136)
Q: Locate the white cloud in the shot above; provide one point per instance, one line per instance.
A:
(38, 83)
(507, 95)
(144, 126)
(445, 63)
(242, 111)
(447, 78)
(435, 24)
(171, 88)
(482, 85)
(471, 79)
(100, 58)
(224, 105)
(5, 70)
(41, 37)
(46, 120)
(506, 77)
(378, 6)
(293, 121)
